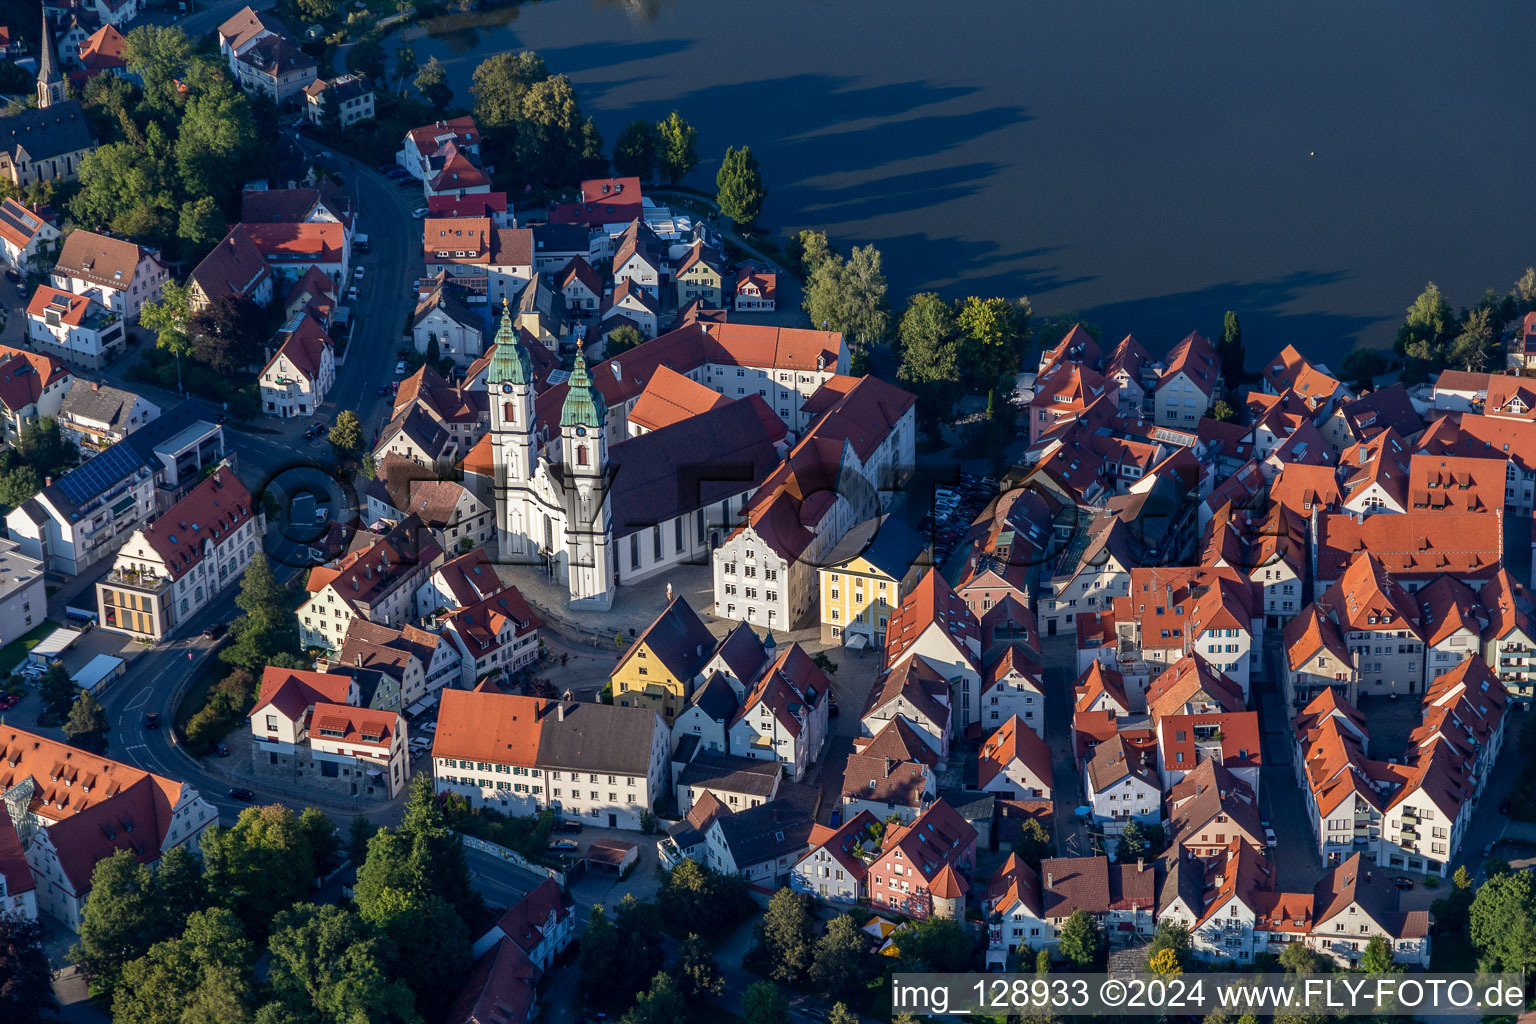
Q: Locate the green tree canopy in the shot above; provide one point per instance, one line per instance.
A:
(765, 1003)
(499, 85)
(930, 364)
(327, 967)
(1502, 922)
(260, 865)
(1230, 347)
(740, 184)
(622, 339)
(229, 334)
(132, 907)
(994, 333)
(1377, 957)
(347, 435)
(662, 1003)
(697, 972)
(677, 150)
(1427, 326)
(432, 82)
(786, 936)
(160, 987)
(1174, 936)
(26, 980)
(160, 56)
(840, 966)
(87, 725)
(634, 152)
(1080, 940)
(711, 901)
(551, 132)
(849, 297)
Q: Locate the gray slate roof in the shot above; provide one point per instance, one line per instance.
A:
(726, 773)
(598, 738)
(52, 131)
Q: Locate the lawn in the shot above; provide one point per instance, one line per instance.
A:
(15, 652)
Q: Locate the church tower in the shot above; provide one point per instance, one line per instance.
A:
(50, 81)
(514, 452)
(589, 514)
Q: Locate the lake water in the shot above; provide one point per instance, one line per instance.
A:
(1309, 163)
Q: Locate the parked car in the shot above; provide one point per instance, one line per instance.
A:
(1270, 839)
(1403, 882)
(245, 796)
(1488, 849)
(563, 846)
(214, 631)
(383, 389)
(832, 711)
(309, 433)
(357, 272)
(352, 294)
(390, 168)
(569, 827)
(151, 721)
(223, 750)
(420, 212)
(400, 368)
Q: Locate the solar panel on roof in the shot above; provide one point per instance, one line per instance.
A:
(97, 474)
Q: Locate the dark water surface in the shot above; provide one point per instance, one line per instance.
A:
(1310, 163)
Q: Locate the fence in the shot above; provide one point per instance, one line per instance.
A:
(512, 857)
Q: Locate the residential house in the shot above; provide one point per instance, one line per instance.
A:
(173, 568)
(25, 234)
(352, 93)
(1013, 686)
(580, 286)
(1209, 808)
(524, 754)
(632, 304)
(423, 146)
(1509, 639)
(1122, 785)
(784, 714)
(923, 868)
(756, 289)
(116, 273)
(638, 257)
(835, 866)
(1189, 384)
(1121, 898)
(276, 67)
(293, 249)
(377, 582)
(443, 321)
(1015, 762)
(1379, 621)
(81, 518)
(865, 579)
(659, 669)
(71, 809)
(763, 844)
(23, 596)
(496, 262)
(932, 623)
(1317, 659)
(307, 728)
(302, 370)
(74, 327)
(892, 774)
(699, 276)
(243, 30)
(235, 267)
(916, 692)
(737, 782)
(418, 663)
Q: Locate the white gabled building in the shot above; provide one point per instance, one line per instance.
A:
(784, 715)
(1122, 785)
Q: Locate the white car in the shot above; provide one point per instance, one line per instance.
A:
(1269, 838)
(358, 273)
(400, 368)
(420, 212)
(352, 294)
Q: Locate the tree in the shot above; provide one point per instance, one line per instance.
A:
(785, 934)
(1042, 961)
(550, 137)
(201, 226)
(161, 986)
(841, 1014)
(1476, 347)
(634, 152)
(697, 973)
(619, 956)
(1133, 843)
(57, 690)
(937, 944)
(260, 865)
(1426, 327)
(1298, 959)
(740, 184)
(1377, 957)
(992, 337)
(809, 249)
(19, 484)
(661, 1004)
(1362, 364)
(132, 907)
(1502, 923)
(1080, 940)
(930, 354)
(170, 319)
(229, 334)
(216, 145)
(1173, 937)
(1164, 961)
(710, 901)
(360, 831)
(160, 56)
(43, 445)
(347, 435)
(1224, 413)
(1524, 293)
(129, 189)
(432, 82)
(677, 150)
(1462, 879)
(764, 1003)
(260, 593)
(406, 66)
(849, 297)
(326, 967)
(26, 980)
(1230, 348)
(499, 85)
(622, 339)
(87, 726)
(838, 966)
(324, 842)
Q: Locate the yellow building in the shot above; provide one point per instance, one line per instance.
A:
(699, 277)
(866, 577)
(659, 668)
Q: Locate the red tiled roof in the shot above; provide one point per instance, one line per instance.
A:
(292, 691)
(347, 724)
(932, 602)
(1014, 741)
(71, 309)
(193, 527)
(324, 241)
(1414, 543)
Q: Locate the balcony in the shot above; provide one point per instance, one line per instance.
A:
(149, 583)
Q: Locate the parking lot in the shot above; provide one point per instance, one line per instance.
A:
(955, 507)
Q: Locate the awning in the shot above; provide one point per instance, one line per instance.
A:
(857, 641)
(120, 507)
(374, 772)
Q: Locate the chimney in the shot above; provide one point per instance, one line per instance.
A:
(1141, 865)
(358, 659)
(95, 385)
(889, 764)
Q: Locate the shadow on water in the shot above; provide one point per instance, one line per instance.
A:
(1159, 321)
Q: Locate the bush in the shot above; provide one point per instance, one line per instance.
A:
(229, 701)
